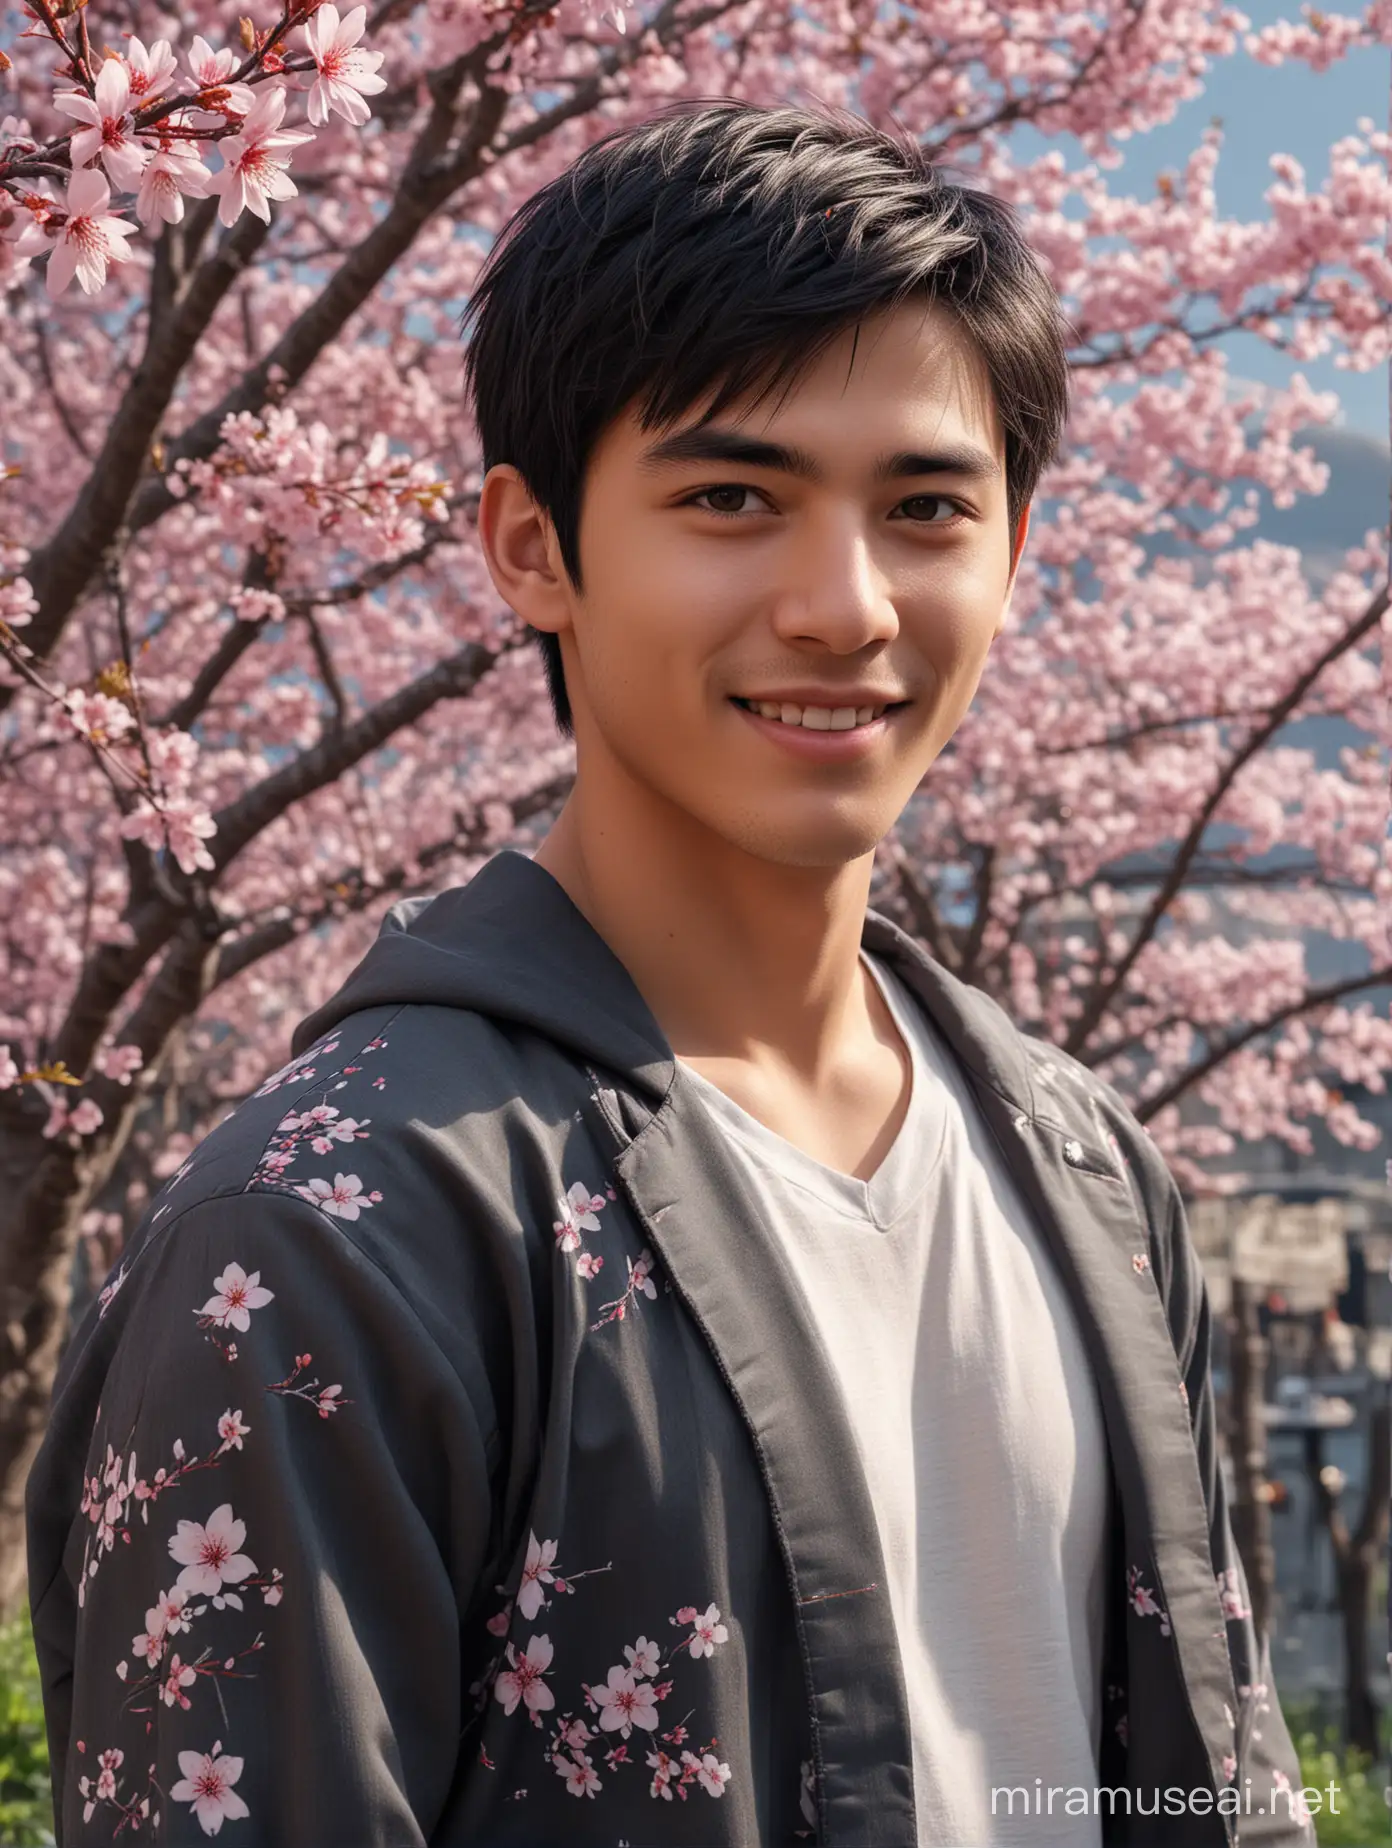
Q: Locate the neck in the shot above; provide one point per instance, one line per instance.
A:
(738, 957)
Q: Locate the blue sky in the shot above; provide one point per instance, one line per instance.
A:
(1288, 109)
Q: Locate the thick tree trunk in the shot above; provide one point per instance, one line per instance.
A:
(24, 1399)
(1251, 1512)
(40, 1242)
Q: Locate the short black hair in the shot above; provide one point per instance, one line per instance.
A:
(720, 247)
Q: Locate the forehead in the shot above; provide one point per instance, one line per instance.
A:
(910, 372)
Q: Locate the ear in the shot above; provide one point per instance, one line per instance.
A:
(521, 551)
(1021, 534)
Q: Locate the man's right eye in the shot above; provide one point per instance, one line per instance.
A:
(719, 498)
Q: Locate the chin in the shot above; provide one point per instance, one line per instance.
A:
(824, 842)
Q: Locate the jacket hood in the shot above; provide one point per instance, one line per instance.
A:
(513, 946)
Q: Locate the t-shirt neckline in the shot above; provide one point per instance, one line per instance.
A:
(907, 1163)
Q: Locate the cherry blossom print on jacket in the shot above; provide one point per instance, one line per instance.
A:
(447, 1460)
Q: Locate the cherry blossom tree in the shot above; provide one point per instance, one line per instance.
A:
(254, 684)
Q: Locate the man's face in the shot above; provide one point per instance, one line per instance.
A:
(847, 549)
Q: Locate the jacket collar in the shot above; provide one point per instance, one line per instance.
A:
(512, 945)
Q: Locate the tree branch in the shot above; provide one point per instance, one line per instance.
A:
(1106, 989)
(243, 819)
(1311, 999)
(115, 968)
(922, 908)
(425, 185)
(232, 645)
(60, 571)
(470, 836)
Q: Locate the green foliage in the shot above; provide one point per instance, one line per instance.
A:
(26, 1806)
(1359, 1815)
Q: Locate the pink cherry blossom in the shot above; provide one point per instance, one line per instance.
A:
(178, 1676)
(343, 1197)
(1230, 1595)
(346, 73)
(149, 70)
(108, 135)
(210, 1554)
(206, 1784)
(87, 1117)
(178, 824)
(91, 237)
(522, 1680)
(536, 1572)
(172, 174)
(212, 71)
(118, 1062)
(710, 1632)
(95, 716)
(711, 1775)
(576, 1210)
(579, 1774)
(625, 1703)
(255, 161)
(643, 1656)
(235, 1295)
(640, 1274)
(231, 1430)
(150, 1643)
(498, 1624)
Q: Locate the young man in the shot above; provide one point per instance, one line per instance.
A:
(666, 1363)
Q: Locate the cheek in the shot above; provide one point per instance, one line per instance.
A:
(651, 623)
(953, 615)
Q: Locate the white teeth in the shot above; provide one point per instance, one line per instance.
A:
(816, 718)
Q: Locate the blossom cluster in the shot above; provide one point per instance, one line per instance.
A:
(281, 479)
(144, 125)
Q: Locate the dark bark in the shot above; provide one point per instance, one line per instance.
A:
(1251, 1510)
(60, 571)
(1357, 1553)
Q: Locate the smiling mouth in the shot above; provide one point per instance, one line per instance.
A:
(818, 718)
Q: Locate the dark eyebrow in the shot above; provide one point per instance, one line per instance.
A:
(714, 443)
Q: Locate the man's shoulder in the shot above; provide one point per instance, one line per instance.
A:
(400, 1126)
(382, 1076)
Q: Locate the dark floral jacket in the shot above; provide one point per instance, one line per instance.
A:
(449, 1460)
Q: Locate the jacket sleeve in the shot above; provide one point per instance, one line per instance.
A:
(284, 1513)
(1264, 1750)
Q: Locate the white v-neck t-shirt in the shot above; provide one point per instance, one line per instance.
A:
(973, 1403)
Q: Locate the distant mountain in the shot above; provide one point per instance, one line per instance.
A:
(1356, 501)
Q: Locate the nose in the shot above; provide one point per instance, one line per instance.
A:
(834, 593)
